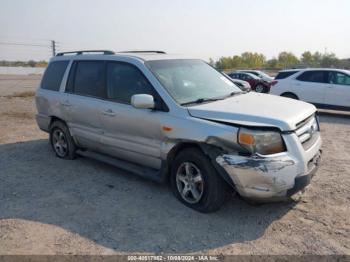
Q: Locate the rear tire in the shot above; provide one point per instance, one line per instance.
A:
(195, 182)
(260, 89)
(290, 95)
(61, 141)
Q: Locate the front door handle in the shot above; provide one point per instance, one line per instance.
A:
(108, 112)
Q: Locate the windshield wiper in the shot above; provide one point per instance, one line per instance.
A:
(201, 100)
(233, 94)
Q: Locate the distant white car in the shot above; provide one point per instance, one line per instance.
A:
(325, 88)
(259, 74)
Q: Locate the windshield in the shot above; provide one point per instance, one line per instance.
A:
(191, 80)
(253, 76)
(264, 75)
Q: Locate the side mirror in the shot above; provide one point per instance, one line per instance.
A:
(142, 101)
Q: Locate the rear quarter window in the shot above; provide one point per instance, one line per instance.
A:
(53, 75)
(283, 75)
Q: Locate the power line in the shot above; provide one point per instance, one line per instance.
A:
(22, 44)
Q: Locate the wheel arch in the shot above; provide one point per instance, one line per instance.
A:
(54, 119)
(211, 151)
(285, 94)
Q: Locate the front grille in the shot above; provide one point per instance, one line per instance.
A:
(308, 131)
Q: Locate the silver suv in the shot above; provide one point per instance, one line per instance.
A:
(172, 118)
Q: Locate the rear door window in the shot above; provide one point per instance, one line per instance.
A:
(125, 80)
(313, 76)
(53, 75)
(245, 77)
(89, 79)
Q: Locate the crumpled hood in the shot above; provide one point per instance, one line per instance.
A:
(253, 109)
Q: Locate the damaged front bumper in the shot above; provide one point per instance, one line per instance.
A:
(268, 177)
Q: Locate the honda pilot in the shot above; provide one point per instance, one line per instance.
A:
(177, 119)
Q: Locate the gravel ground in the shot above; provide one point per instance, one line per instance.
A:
(11, 84)
(54, 206)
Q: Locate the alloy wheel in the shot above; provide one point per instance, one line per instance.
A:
(59, 143)
(190, 183)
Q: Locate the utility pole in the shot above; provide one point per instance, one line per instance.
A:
(53, 47)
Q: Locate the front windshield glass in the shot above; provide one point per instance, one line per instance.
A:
(253, 76)
(265, 75)
(191, 80)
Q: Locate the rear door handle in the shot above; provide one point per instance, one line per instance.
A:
(66, 103)
(108, 112)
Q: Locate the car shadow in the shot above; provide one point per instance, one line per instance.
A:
(332, 116)
(116, 209)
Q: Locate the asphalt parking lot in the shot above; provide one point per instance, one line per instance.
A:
(54, 206)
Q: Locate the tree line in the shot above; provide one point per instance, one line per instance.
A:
(30, 63)
(284, 60)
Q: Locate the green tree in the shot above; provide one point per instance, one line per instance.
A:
(317, 58)
(287, 60)
(211, 61)
(224, 63)
(272, 64)
(237, 62)
(253, 60)
(307, 59)
(329, 60)
(31, 63)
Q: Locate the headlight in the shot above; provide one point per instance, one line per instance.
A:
(260, 141)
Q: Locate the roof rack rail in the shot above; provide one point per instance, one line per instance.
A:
(144, 51)
(105, 52)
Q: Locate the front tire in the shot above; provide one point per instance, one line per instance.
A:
(195, 182)
(61, 141)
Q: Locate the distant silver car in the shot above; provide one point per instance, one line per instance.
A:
(243, 85)
(259, 74)
(168, 117)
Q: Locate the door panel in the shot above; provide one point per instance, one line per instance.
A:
(338, 93)
(84, 120)
(83, 102)
(132, 134)
(311, 86)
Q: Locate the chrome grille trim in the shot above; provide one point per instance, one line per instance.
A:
(307, 129)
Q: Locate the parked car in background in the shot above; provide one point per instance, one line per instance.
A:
(258, 73)
(325, 88)
(257, 84)
(243, 85)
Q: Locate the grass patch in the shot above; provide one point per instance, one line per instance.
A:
(21, 115)
(22, 94)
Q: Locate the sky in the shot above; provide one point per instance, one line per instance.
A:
(199, 28)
